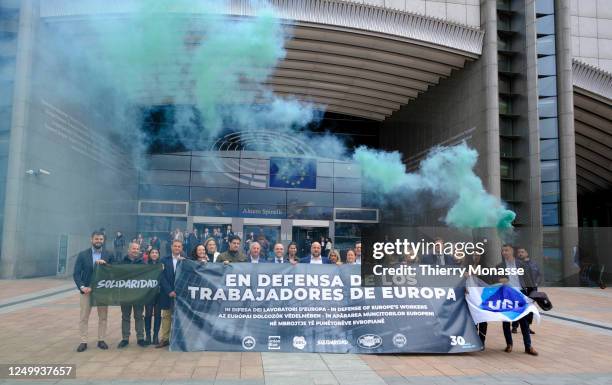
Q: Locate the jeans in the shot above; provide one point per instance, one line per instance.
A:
(524, 330)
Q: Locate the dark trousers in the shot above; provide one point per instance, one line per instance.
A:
(529, 317)
(126, 312)
(524, 330)
(152, 311)
(482, 331)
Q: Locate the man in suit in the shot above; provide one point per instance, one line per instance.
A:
(134, 257)
(438, 257)
(83, 271)
(315, 255)
(167, 293)
(525, 284)
(255, 254)
(279, 254)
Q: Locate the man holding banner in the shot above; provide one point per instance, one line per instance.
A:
(167, 295)
(83, 271)
(133, 257)
(506, 302)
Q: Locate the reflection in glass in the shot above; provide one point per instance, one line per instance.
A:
(309, 198)
(545, 7)
(548, 128)
(167, 193)
(213, 209)
(545, 25)
(547, 107)
(550, 214)
(550, 192)
(547, 86)
(547, 66)
(546, 45)
(216, 195)
(163, 177)
(214, 179)
(274, 197)
(549, 149)
(550, 170)
(347, 200)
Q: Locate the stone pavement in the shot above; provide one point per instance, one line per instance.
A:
(44, 330)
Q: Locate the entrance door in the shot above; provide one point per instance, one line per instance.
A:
(304, 236)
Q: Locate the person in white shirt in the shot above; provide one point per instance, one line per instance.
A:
(315, 255)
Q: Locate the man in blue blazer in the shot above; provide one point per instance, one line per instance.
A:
(83, 271)
(167, 293)
(315, 255)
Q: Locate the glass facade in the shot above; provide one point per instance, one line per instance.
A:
(547, 112)
(237, 184)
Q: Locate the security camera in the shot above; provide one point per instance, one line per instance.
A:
(38, 172)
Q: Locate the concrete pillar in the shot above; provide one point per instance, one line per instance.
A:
(534, 231)
(567, 142)
(490, 153)
(13, 232)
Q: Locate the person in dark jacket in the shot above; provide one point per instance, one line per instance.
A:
(83, 271)
(525, 284)
(133, 257)
(233, 253)
(118, 245)
(167, 293)
(535, 278)
(153, 310)
(315, 255)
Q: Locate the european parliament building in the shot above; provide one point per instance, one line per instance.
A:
(527, 83)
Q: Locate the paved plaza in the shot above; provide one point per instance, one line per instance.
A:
(39, 319)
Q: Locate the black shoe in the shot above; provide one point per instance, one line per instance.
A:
(102, 345)
(141, 343)
(514, 330)
(122, 344)
(531, 331)
(155, 340)
(82, 347)
(148, 340)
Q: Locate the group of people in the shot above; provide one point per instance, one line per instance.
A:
(190, 239)
(153, 321)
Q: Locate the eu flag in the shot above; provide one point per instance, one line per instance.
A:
(293, 173)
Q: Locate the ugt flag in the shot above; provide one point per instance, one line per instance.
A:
(498, 302)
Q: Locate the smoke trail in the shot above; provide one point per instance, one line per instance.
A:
(193, 54)
(448, 174)
(206, 59)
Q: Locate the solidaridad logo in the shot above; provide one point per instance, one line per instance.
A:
(248, 342)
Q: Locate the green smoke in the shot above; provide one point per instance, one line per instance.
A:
(193, 53)
(447, 173)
